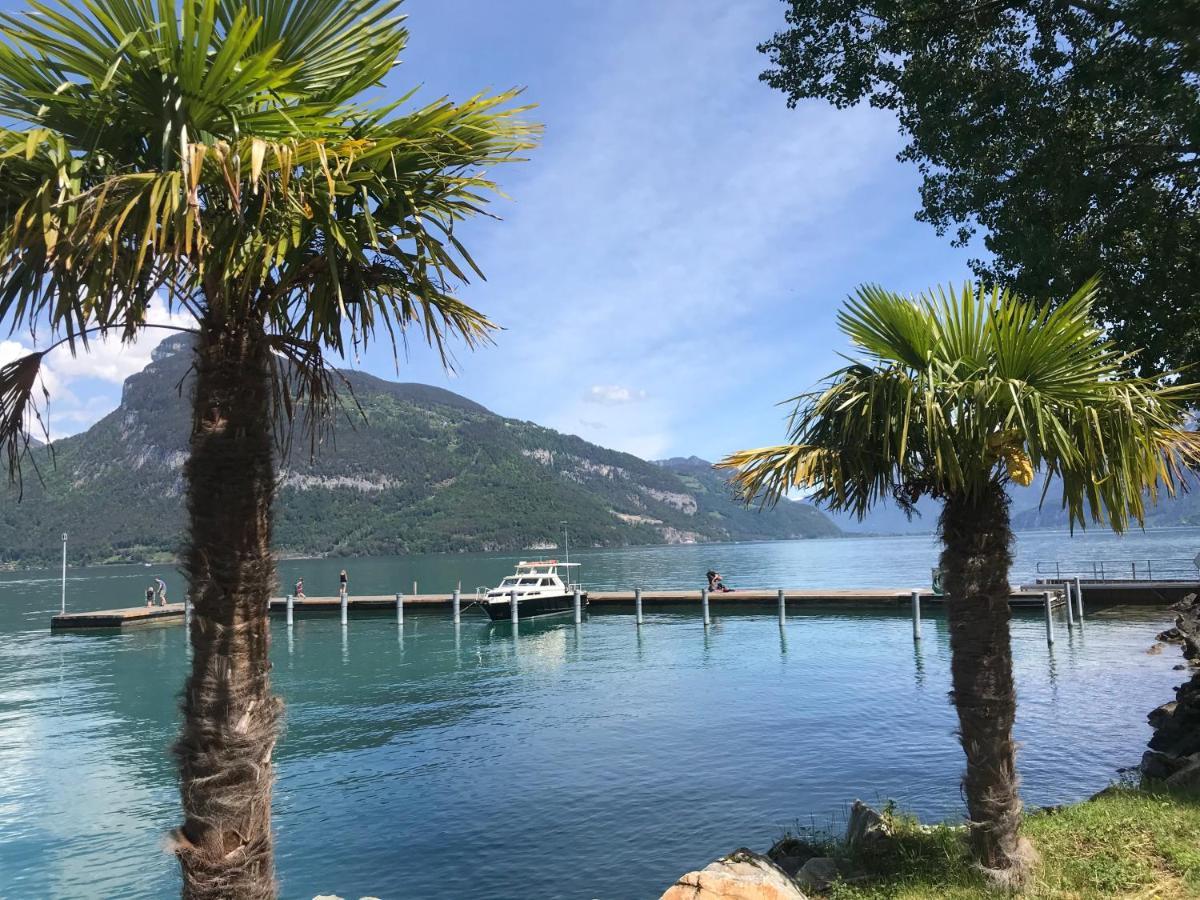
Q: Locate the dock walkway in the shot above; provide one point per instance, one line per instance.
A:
(868, 598)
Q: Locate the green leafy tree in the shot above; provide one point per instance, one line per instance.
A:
(216, 153)
(956, 394)
(1068, 132)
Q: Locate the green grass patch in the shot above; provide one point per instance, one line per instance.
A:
(1127, 842)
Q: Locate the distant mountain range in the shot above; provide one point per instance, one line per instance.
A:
(429, 471)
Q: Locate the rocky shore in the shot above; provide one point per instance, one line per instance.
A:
(1174, 754)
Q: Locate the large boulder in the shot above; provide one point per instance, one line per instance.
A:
(1177, 724)
(742, 875)
(866, 829)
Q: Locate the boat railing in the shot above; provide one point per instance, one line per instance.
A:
(1121, 569)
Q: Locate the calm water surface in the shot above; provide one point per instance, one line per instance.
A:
(435, 762)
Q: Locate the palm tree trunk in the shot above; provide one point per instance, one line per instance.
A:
(230, 716)
(975, 564)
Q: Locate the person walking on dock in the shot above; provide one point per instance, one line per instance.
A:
(299, 588)
(162, 591)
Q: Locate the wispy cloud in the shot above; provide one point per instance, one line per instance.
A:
(613, 394)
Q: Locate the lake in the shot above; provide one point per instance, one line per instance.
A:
(602, 761)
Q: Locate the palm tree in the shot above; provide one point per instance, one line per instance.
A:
(955, 395)
(215, 153)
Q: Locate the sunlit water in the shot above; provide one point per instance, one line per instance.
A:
(435, 762)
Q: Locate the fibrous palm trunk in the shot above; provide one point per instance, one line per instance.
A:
(975, 563)
(230, 716)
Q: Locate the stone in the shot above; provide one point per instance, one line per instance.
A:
(1159, 716)
(1160, 766)
(1171, 636)
(742, 875)
(866, 828)
(1187, 778)
(791, 853)
(818, 874)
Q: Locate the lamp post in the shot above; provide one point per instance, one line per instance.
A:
(64, 575)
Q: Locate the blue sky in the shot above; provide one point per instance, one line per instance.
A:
(672, 257)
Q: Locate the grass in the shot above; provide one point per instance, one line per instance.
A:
(1126, 842)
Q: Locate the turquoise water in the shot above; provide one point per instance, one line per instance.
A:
(603, 761)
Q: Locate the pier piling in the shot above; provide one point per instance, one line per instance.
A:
(782, 608)
(578, 607)
(704, 605)
(399, 609)
(1079, 598)
(457, 606)
(1070, 605)
(290, 601)
(512, 602)
(344, 605)
(187, 608)
(1049, 618)
(637, 604)
(916, 614)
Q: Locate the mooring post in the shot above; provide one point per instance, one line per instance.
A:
(637, 604)
(782, 608)
(916, 614)
(343, 597)
(1079, 598)
(1049, 618)
(704, 605)
(1070, 605)
(290, 600)
(457, 606)
(399, 609)
(187, 607)
(512, 602)
(64, 574)
(578, 606)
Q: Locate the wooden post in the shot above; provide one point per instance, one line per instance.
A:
(916, 614)
(187, 607)
(578, 606)
(782, 609)
(344, 605)
(290, 600)
(1049, 618)
(399, 609)
(704, 605)
(637, 604)
(1079, 598)
(457, 606)
(512, 602)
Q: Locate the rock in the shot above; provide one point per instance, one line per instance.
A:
(742, 875)
(866, 828)
(1159, 716)
(1187, 778)
(1155, 649)
(1158, 765)
(818, 874)
(791, 853)
(1171, 636)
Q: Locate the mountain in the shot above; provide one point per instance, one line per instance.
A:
(428, 471)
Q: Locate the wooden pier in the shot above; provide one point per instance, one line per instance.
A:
(862, 598)
(117, 618)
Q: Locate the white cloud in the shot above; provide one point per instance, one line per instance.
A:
(613, 394)
(81, 386)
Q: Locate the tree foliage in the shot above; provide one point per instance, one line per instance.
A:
(216, 153)
(1068, 132)
(959, 391)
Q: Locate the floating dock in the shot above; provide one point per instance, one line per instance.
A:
(117, 618)
(887, 598)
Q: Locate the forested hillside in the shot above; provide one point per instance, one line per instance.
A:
(428, 471)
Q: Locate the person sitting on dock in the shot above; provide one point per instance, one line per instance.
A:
(162, 591)
(299, 589)
(715, 585)
(149, 596)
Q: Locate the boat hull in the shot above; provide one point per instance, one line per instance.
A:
(532, 607)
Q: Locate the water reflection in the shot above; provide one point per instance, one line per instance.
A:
(918, 664)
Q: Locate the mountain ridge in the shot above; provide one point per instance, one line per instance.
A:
(428, 471)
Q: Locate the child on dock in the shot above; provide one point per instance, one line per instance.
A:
(149, 596)
(342, 582)
(715, 585)
(299, 589)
